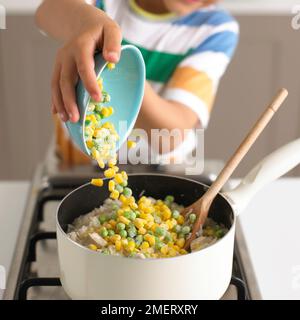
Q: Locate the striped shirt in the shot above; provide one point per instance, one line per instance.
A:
(185, 56)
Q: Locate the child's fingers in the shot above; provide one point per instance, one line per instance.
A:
(56, 93)
(85, 67)
(67, 86)
(53, 108)
(112, 43)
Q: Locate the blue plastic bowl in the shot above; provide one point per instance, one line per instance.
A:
(125, 85)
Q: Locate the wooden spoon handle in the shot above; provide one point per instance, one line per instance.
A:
(244, 147)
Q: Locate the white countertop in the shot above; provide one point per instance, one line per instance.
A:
(235, 6)
(13, 196)
(271, 226)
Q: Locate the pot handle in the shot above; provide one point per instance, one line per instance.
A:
(269, 169)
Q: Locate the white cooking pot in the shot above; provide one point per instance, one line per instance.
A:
(206, 274)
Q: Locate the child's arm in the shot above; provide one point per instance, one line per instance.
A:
(82, 28)
(159, 113)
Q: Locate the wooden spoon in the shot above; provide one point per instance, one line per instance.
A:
(202, 205)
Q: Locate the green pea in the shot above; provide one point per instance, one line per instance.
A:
(127, 192)
(158, 245)
(186, 230)
(139, 239)
(87, 122)
(132, 215)
(110, 232)
(168, 237)
(103, 232)
(181, 235)
(150, 232)
(169, 199)
(160, 231)
(175, 214)
(192, 217)
(102, 218)
(119, 188)
(123, 233)
(137, 213)
(98, 109)
(105, 251)
(114, 216)
(124, 183)
(126, 214)
(115, 206)
(120, 226)
(98, 118)
(132, 232)
(219, 233)
(177, 228)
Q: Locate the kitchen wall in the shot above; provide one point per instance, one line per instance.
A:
(266, 59)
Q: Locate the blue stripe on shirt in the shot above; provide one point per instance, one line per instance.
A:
(224, 42)
(198, 18)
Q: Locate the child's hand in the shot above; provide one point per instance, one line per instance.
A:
(76, 58)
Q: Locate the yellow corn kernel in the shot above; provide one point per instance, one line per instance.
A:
(131, 144)
(115, 237)
(164, 250)
(118, 178)
(93, 247)
(167, 214)
(139, 223)
(105, 112)
(142, 231)
(109, 173)
(149, 225)
(174, 236)
(150, 239)
(95, 153)
(101, 164)
(112, 163)
(118, 245)
(97, 182)
(111, 185)
(124, 220)
(112, 223)
(182, 251)
(133, 205)
(110, 110)
(154, 226)
(124, 175)
(93, 118)
(172, 252)
(111, 66)
(108, 225)
(180, 219)
(115, 168)
(180, 242)
(123, 199)
(145, 245)
(131, 246)
(124, 242)
(100, 84)
(90, 144)
(149, 209)
(114, 194)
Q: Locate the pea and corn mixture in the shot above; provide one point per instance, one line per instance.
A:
(123, 225)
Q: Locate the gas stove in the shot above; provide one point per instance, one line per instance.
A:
(35, 273)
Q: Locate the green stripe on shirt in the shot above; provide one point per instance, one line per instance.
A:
(159, 65)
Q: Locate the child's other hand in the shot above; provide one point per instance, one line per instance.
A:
(76, 58)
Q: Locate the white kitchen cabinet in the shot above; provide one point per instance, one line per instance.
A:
(267, 58)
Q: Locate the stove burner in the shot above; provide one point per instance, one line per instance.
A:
(31, 276)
